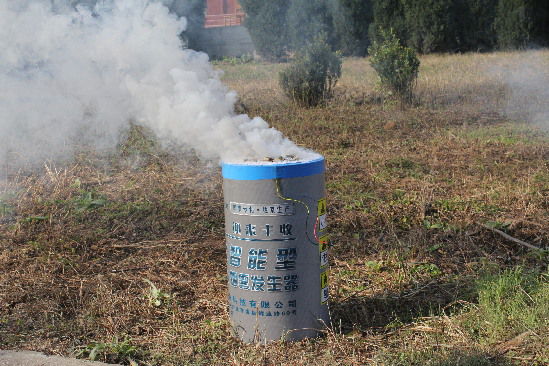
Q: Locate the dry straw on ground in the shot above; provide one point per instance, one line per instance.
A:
(409, 190)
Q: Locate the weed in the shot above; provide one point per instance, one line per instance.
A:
(117, 350)
(35, 245)
(429, 269)
(435, 247)
(88, 201)
(35, 218)
(156, 296)
(374, 266)
(430, 225)
(395, 323)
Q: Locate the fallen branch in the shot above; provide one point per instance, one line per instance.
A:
(513, 343)
(509, 237)
(129, 269)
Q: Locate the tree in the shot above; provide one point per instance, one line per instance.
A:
(476, 24)
(193, 11)
(351, 20)
(514, 23)
(266, 22)
(388, 14)
(542, 22)
(308, 19)
(430, 25)
(459, 25)
(522, 23)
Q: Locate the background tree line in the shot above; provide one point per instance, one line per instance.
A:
(281, 26)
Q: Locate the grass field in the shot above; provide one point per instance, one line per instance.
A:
(121, 257)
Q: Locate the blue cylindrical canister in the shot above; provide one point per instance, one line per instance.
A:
(277, 249)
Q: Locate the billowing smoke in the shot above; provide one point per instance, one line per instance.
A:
(76, 75)
(526, 79)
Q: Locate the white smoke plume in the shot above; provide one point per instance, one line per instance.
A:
(76, 75)
(526, 78)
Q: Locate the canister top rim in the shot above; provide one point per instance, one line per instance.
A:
(275, 170)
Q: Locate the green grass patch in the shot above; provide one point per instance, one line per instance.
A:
(509, 303)
(249, 71)
(138, 140)
(541, 179)
(405, 167)
(352, 193)
(433, 357)
(506, 134)
(458, 204)
(5, 208)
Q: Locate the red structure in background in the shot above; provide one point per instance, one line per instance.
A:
(223, 13)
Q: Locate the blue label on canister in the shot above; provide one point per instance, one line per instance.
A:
(293, 169)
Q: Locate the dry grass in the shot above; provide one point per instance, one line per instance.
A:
(407, 188)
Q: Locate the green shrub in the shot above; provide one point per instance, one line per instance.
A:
(311, 78)
(396, 65)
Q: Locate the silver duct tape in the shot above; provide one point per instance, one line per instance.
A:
(277, 257)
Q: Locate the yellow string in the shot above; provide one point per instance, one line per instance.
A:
(279, 194)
